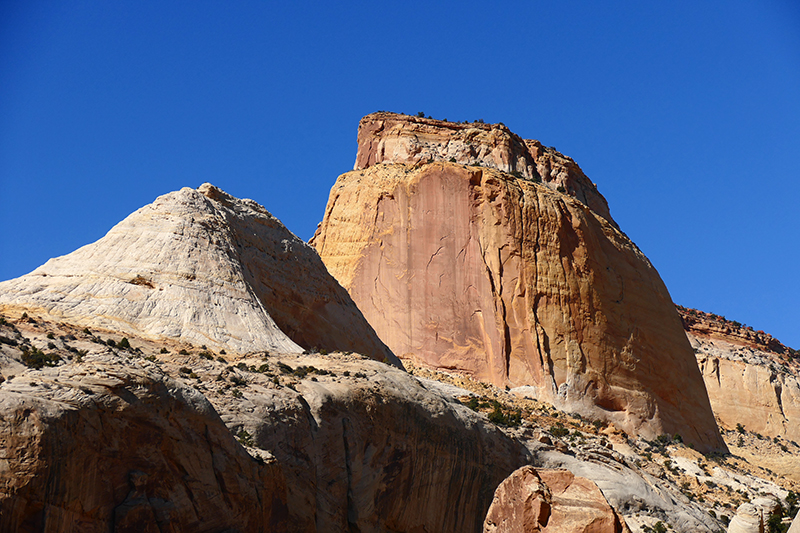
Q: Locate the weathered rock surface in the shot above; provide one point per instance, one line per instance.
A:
(391, 138)
(202, 267)
(795, 527)
(752, 379)
(105, 446)
(552, 501)
(347, 443)
(472, 269)
(370, 448)
(753, 517)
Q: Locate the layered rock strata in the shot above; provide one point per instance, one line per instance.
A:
(470, 268)
(550, 501)
(202, 267)
(752, 379)
(387, 138)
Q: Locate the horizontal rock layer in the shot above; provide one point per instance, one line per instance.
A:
(387, 138)
(472, 269)
(202, 267)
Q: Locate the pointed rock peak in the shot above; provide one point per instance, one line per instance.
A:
(391, 138)
(202, 267)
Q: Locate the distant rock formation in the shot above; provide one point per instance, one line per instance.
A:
(202, 267)
(474, 269)
(550, 501)
(753, 380)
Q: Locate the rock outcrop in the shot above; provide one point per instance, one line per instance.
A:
(391, 138)
(469, 268)
(753, 380)
(128, 440)
(550, 501)
(202, 267)
(103, 446)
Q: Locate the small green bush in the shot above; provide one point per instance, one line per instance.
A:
(35, 358)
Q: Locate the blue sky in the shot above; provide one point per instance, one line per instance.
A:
(686, 115)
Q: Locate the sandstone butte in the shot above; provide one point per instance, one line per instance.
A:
(468, 248)
(201, 267)
(751, 377)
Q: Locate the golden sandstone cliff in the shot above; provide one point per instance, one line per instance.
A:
(751, 377)
(459, 265)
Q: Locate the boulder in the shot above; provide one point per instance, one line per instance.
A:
(551, 501)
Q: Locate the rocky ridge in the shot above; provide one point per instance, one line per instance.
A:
(388, 138)
(202, 267)
(753, 380)
(468, 268)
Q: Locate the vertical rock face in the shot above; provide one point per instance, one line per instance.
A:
(550, 501)
(752, 379)
(101, 447)
(391, 138)
(206, 268)
(477, 270)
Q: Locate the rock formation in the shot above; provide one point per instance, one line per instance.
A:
(111, 440)
(752, 379)
(470, 268)
(100, 445)
(202, 267)
(550, 501)
(389, 138)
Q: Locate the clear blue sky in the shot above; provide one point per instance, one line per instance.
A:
(685, 113)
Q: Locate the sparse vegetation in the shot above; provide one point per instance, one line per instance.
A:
(37, 359)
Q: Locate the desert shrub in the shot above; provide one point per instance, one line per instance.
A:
(245, 438)
(183, 352)
(740, 428)
(185, 370)
(284, 368)
(558, 430)
(239, 382)
(51, 336)
(35, 358)
(123, 344)
(206, 355)
(164, 350)
(111, 343)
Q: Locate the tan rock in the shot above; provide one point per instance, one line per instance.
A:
(748, 519)
(104, 446)
(750, 377)
(552, 501)
(391, 138)
(472, 269)
(202, 267)
(795, 527)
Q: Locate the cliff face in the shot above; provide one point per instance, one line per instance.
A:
(752, 378)
(477, 270)
(202, 267)
(390, 138)
(112, 446)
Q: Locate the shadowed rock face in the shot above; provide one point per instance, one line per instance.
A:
(104, 447)
(202, 267)
(473, 269)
